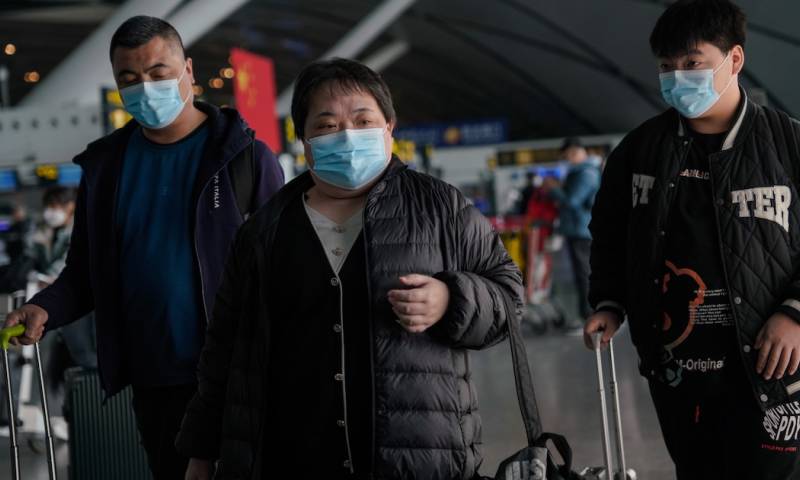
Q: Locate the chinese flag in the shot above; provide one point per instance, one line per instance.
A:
(254, 90)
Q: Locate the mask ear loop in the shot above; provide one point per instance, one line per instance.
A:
(391, 143)
(730, 80)
(184, 101)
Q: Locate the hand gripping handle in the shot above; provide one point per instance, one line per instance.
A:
(7, 334)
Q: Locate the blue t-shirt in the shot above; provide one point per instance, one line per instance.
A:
(163, 322)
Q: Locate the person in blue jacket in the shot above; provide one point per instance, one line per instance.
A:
(575, 198)
(155, 216)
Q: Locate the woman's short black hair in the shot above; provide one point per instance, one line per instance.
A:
(58, 196)
(686, 23)
(347, 75)
(138, 30)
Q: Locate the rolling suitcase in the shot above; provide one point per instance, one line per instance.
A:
(7, 334)
(104, 440)
(619, 470)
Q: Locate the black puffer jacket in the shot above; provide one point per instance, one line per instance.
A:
(425, 411)
(754, 182)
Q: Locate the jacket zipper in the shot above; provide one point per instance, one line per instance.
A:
(371, 343)
(722, 261)
(194, 240)
(344, 373)
(200, 270)
(343, 363)
(672, 192)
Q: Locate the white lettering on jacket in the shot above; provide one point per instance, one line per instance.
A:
(642, 184)
(216, 191)
(766, 203)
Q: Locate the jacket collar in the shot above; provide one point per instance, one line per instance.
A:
(227, 133)
(270, 214)
(743, 119)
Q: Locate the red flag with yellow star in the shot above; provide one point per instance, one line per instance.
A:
(255, 93)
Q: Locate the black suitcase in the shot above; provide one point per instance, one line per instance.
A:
(104, 440)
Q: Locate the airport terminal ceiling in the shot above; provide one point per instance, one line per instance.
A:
(551, 67)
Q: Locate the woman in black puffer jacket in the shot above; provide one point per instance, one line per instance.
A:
(339, 341)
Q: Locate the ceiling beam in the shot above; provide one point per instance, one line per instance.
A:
(611, 67)
(515, 69)
(355, 41)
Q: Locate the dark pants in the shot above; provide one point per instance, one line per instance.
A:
(579, 250)
(159, 412)
(724, 435)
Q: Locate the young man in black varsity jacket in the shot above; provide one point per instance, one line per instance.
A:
(696, 242)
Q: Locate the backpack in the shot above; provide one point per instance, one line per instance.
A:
(242, 171)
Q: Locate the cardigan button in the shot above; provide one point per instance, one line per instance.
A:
(338, 377)
(334, 282)
(337, 328)
(737, 300)
(763, 398)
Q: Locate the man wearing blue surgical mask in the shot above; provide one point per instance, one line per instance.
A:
(696, 243)
(339, 346)
(158, 206)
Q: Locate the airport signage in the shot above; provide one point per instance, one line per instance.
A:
(456, 134)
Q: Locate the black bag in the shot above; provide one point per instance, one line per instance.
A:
(534, 462)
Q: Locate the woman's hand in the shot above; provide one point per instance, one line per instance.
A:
(420, 306)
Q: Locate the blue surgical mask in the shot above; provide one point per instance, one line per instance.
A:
(691, 92)
(349, 159)
(154, 105)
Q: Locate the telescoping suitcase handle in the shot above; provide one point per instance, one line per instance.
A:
(6, 335)
(621, 472)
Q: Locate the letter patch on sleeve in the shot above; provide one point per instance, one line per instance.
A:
(765, 203)
(642, 184)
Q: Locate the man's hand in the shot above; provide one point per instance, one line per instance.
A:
(33, 317)
(603, 321)
(422, 305)
(778, 345)
(198, 469)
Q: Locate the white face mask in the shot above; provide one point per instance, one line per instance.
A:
(691, 92)
(54, 217)
(155, 105)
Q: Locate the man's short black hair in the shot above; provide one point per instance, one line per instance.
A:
(58, 196)
(686, 23)
(571, 142)
(348, 75)
(137, 31)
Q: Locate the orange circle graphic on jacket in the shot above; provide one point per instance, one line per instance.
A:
(681, 283)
